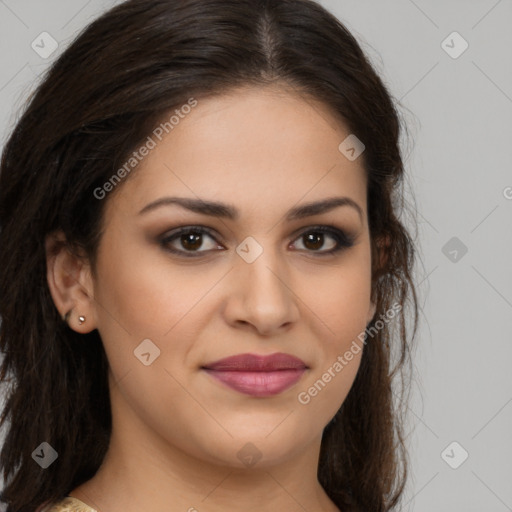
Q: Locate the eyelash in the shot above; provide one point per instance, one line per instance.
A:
(343, 240)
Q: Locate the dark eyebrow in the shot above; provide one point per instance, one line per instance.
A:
(216, 209)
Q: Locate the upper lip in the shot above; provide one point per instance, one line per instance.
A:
(257, 363)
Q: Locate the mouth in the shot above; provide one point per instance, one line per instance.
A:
(257, 375)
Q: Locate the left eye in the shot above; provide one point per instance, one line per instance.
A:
(192, 239)
(314, 239)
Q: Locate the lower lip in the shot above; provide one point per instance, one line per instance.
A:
(258, 383)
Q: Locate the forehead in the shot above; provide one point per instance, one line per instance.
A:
(249, 147)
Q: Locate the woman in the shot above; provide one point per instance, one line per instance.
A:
(203, 268)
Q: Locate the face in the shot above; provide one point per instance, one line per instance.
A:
(179, 288)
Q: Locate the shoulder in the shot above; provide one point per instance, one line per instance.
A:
(67, 504)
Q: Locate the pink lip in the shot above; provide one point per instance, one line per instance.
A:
(258, 375)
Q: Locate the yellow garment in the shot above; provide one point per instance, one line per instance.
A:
(69, 504)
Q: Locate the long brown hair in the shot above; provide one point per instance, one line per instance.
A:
(100, 98)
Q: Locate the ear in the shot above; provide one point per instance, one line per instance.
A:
(371, 312)
(70, 282)
(383, 247)
(380, 255)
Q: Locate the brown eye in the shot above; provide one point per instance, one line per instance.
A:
(313, 241)
(193, 241)
(317, 238)
(189, 240)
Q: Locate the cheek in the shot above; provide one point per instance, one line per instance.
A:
(135, 302)
(340, 299)
(341, 302)
(324, 392)
(339, 352)
(146, 295)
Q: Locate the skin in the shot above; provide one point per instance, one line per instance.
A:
(176, 430)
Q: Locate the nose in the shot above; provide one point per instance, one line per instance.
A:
(261, 296)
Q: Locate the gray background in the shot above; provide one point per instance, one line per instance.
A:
(459, 158)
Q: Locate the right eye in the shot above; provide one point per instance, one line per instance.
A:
(190, 239)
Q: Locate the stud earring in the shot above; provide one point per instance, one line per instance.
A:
(81, 320)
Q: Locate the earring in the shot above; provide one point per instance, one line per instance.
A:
(81, 320)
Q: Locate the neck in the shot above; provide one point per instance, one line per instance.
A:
(145, 477)
(143, 471)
